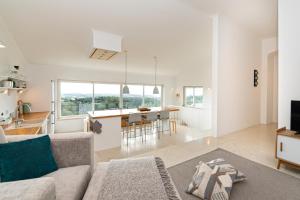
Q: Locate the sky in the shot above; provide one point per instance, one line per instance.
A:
(87, 88)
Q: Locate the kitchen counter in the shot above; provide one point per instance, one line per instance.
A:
(126, 112)
(32, 124)
(36, 116)
(23, 131)
(111, 120)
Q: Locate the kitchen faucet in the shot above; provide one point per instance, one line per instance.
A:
(18, 121)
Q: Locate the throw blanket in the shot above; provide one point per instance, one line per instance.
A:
(136, 179)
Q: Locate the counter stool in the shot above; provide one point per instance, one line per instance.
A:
(150, 119)
(134, 120)
(164, 117)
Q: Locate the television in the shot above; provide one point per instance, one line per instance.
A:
(295, 116)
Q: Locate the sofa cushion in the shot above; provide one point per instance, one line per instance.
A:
(96, 182)
(26, 159)
(71, 182)
(32, 189)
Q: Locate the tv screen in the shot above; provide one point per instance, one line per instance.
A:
(295, 116)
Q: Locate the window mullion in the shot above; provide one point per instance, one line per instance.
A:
(194, 97)
(93, 99)
(121, 97)
(143, 102)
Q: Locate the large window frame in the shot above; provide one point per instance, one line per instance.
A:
(193, 104)
(93, 96)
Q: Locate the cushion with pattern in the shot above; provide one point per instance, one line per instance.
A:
(210, 183)
(235, 174)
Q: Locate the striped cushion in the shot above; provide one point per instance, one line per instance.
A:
(222, 188)
(209, 183)
(236, 175)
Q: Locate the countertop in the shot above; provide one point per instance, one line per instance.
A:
(125, 112)
(29, 130)
(23, 131)
(36, 116)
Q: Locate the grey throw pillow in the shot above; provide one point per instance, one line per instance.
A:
(235, 174)
(210, 184)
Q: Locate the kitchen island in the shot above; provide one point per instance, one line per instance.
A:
(111, 120)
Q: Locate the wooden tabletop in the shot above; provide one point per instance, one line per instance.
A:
(125, 112)
(288, 133)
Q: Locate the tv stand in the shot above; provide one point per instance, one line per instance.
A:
(287, 148)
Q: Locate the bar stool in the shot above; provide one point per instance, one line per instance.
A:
(124, 122)
(173, 121)
(164, 117)
(150, 119)
(134, 120)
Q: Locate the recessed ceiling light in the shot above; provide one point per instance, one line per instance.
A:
(2, 45)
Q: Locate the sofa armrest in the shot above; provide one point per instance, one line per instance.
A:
(31, 189)
(73, 149)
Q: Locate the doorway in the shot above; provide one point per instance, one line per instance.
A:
(272, 88)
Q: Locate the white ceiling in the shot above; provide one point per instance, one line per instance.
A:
(259, 16)
(58, 32)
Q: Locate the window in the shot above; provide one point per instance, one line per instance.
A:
(193, 96)
(76, 98)
(150, 99)
(135, 98)
(107, 96)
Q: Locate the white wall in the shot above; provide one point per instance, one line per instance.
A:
(199, 118)
(269, 46)
(238, 102)
(289, 59)
(197, 72)
(275, 89)
(39, 87)
(9, 56)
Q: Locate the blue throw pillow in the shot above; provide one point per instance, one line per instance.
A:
(26, 159)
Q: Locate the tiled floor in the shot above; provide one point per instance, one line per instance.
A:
(255, 143)
(137, 147)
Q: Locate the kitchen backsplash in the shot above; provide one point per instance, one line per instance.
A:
(8, 103)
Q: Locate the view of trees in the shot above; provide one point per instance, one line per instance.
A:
(77, 97)
(76, 104)
(190, 100)
(193, 96)
(72, 105)
(107, 102)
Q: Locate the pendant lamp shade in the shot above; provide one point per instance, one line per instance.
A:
(125, 87)
(155, 90)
